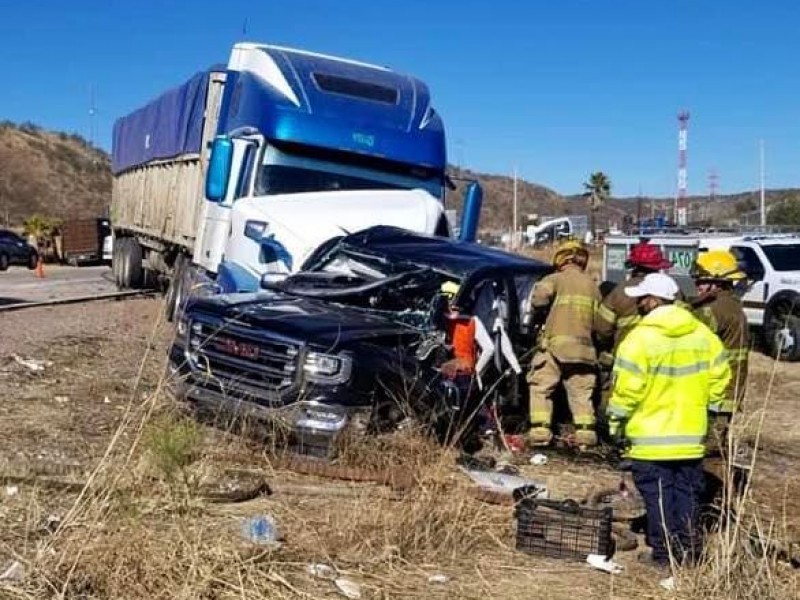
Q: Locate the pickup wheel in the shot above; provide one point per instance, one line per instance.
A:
(4, 262)
(782, 329)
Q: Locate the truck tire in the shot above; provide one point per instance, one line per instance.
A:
(131, 272)
(4, 262)
(33, 260)
(176, 291)
(116, 260)
(782, 328)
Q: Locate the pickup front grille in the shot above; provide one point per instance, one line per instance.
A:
(237, 361)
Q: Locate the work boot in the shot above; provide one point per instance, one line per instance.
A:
(539, 436)
(646, 559)
(585, 438)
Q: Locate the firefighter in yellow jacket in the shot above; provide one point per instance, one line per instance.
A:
(566, 353)
(670, 372)
(715, 273)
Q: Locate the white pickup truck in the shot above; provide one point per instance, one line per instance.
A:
(772, 298)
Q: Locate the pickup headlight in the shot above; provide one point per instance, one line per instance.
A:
(327, 368)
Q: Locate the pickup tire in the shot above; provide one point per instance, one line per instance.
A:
(782, 327)
(4, 262)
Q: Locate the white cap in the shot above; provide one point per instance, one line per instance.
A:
(655, 284)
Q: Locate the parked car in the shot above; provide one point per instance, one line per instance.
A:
(14, 250)
(362, 331)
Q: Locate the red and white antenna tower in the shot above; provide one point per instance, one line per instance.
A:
(681, 208)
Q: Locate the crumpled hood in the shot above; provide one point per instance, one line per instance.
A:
(672, 321)
(316, 322)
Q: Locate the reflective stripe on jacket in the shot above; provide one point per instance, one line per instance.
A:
(669, 372)
(617, 313)
(724, 315)
(572, 297)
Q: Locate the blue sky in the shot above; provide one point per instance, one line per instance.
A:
(558, 88)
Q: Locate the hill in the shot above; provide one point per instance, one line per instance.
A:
(61, 175)
(54, 174)
(498, 199)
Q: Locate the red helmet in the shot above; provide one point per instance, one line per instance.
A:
(647, 256)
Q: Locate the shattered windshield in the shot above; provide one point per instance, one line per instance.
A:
(367, 281)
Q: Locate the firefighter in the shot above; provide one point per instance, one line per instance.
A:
(716, 273)
(565, 353)
(617, 313)
(670, 371)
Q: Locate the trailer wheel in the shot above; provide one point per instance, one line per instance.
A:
(133, 274)
(175, 292)
(116, 260)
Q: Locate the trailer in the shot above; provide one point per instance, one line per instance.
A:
(82, 240)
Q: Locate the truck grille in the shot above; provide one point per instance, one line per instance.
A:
(235, 361)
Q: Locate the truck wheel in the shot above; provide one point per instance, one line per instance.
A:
(131, 272)
(782, 331)
(3, 262)
(116, 260)
(33, 260)
(175, 292)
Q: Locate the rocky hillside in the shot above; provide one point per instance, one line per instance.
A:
(54, 174)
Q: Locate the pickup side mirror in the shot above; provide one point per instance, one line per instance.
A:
(219, 168)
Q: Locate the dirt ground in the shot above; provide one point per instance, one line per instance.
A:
(85, 413)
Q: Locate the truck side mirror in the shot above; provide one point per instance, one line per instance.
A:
(219, 168)
(473, 198)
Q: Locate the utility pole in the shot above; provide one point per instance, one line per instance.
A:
(514, 231)
(763, 193)
(639, 208)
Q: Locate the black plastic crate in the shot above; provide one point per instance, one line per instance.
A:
(563, 529)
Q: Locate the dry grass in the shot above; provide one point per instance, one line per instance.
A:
(141, 528)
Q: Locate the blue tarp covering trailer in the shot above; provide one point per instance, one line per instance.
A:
(167, 127)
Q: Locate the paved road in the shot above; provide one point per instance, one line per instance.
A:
(60, 282)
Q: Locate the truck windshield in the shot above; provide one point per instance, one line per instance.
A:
(783, 257)
(285, 172)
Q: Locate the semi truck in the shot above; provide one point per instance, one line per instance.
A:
(243, 170)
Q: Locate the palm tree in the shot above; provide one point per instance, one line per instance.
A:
(598, 191)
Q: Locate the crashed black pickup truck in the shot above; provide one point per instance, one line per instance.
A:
(364, 333)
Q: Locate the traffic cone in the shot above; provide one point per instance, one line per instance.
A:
(40, 268)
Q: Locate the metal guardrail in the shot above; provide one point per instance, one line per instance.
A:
(76, 300)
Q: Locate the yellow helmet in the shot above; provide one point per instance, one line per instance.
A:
(450, 289)
(717, 265)
(570, 250)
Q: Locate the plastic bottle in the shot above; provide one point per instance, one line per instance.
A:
(260, 529)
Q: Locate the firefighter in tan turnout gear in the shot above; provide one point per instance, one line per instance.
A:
(566, 353)
(715, 273)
